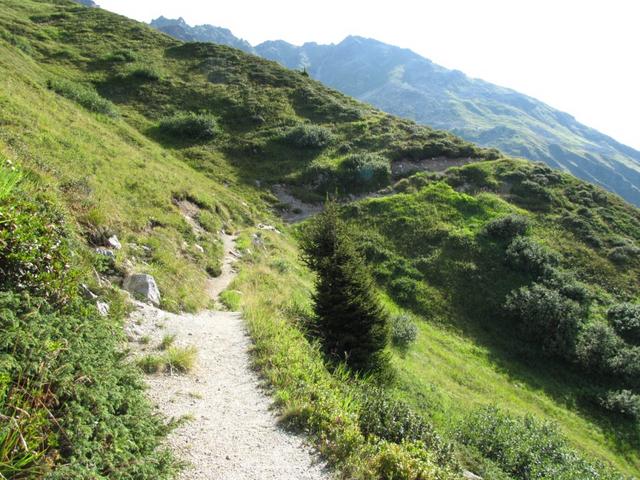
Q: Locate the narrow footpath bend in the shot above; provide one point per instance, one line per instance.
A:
(231, 433)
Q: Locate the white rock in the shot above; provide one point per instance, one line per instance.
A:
(198, 248)
(257, 240)
(269, 228)
(105, 252)
(142, 287)
(114, 243)
(470, 475)
(87, 293)
(103, 308)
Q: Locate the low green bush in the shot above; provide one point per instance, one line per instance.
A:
(545, 317)
(527, 256)
(84, 96)
(626, 363)
(144, 72)
(309, 136)
(625, 319)
(364, 172)
(566, 284)
(35, 250)
(526, 448)
(404, 330)
(78, 408)
(508, 227)
(394, 421)
(596, 345)
(625, 402)
(190, 126)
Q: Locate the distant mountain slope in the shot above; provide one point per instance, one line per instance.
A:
(403, 83)
(179, 29)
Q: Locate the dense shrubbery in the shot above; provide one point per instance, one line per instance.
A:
(528, 256)
(404, 330)
(65, 420)
(508, 227)
(364, 172)
(394, 421)
(87, 97)
(423, 146)
(144, 72)
(75, 410)
(623, 401)
(553, 312)
(34, 250)
(596, 345)
(190, 126)
(625, 319)
(623, 251)
(309, 136)
(545, 317)
(527, 449)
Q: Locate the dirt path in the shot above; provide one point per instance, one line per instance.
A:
(217, 285)
(231, 432)
(297, 211)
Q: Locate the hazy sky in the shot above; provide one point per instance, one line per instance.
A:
(580, 56)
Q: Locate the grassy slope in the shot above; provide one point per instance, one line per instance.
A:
(119, 173)
(110, 175)
(467, 354)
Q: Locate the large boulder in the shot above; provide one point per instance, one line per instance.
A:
(142, 287)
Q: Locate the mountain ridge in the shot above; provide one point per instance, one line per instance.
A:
(402, 82)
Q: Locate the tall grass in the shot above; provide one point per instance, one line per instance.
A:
(9, 178)
(23, 430)
(84, 96)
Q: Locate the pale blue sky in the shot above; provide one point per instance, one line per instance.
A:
(579, 56)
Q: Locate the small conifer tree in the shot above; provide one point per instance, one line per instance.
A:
(350, 320)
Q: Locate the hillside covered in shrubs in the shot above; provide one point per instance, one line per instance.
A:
(539, 268)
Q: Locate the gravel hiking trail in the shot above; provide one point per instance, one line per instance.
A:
(230, 431)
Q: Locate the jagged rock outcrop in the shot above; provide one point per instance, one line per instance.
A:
(143, 287)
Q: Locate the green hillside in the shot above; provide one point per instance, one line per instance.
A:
(403, 83)
(442, 249)
(108, 127)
